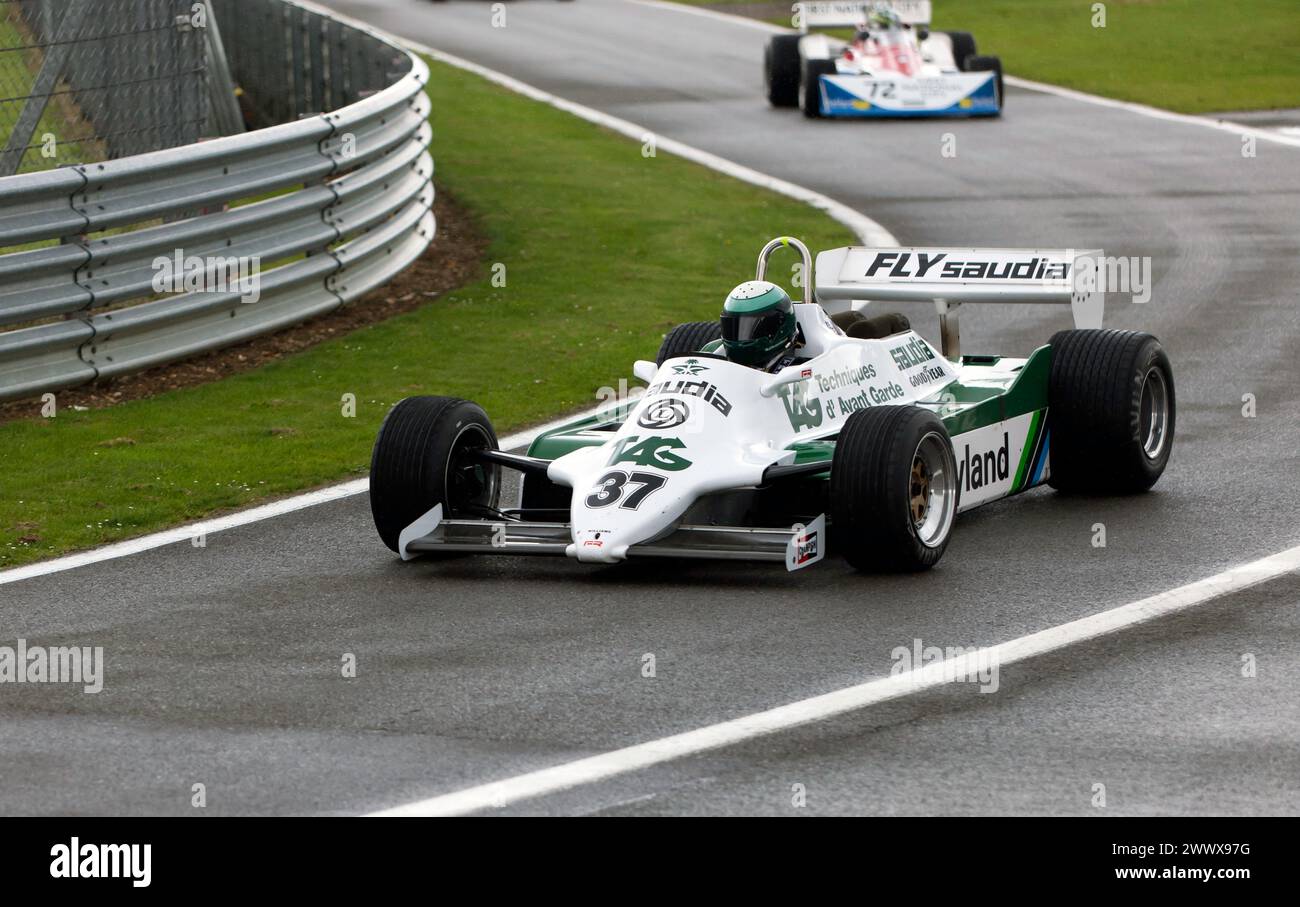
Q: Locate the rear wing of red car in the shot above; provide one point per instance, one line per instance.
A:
(953, 277)
(849, 14)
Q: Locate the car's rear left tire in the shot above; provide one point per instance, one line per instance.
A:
(420, 460)
(963, 47)
(688, 338)
(886, 324)
(810, 91)
(1111, 411)
(781, 70)
(894, 491)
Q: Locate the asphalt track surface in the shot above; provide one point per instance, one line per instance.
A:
(223, 661)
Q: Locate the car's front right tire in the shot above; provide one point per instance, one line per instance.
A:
(688, 338)
(423, 457)
(894, 491)
(993, 65)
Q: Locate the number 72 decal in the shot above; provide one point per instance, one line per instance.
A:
(614, 483)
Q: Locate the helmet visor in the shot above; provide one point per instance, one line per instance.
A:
(738, 328)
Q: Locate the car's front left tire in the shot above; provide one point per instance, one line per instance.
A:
(810, 89)
(422, 458)
(894, 491)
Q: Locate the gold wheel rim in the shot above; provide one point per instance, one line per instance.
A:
(920, 491)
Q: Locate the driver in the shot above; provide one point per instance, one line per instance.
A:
(881, 18)
(759, 328)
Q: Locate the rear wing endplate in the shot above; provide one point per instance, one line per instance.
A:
(848, 14)
(952, 277)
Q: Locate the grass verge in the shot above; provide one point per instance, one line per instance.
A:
(1191, 56)
(601, 250)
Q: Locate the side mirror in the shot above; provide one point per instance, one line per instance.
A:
(645, 370)
(791, 374)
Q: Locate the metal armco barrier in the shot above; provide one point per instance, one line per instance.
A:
(331, 205)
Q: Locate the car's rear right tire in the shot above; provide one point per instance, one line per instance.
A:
(1111, 410)
(688, 338)
(894, 491)
(781, 70)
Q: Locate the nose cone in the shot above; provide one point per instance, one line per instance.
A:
(597, 547)
(682, 440)
(602, 534)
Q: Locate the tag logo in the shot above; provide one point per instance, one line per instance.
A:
(653, 451)
(801, 412)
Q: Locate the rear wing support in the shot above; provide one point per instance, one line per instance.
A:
(951, 278)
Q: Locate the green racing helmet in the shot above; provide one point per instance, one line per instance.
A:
(758, 323)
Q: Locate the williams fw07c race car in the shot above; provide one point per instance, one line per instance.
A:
(783, 431)
(893, 67)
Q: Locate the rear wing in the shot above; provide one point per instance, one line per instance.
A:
(951, 277)
(848, 14)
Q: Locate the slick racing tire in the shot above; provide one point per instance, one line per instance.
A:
(781, 70)
(894, 491)
(1110, 411)
(993, 65)
(810, 92)
(420, 461)
(963, 47)
(688, 338)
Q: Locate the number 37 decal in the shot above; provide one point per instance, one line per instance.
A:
(613, 484)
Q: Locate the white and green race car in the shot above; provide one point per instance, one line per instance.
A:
(858, 437)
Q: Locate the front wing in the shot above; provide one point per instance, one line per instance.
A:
(954, 95)
(797, 547)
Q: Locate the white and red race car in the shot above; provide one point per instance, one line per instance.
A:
(893, 67)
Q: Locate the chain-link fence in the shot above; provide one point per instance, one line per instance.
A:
(290, 62)
(83, 81)
(93, 80)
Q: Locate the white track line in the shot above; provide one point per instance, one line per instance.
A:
(499, 794)
(230, 521)
(709, 13)
(870, 232)
(867, 230)
(1156, 113)
(1145, 110)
